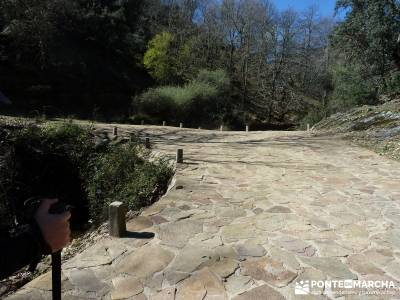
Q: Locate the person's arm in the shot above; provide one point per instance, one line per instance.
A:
(49, 234)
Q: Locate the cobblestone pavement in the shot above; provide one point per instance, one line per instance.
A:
(249, 215)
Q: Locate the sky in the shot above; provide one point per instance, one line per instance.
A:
(326, 7)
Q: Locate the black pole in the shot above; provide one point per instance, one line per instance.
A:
(56, 274)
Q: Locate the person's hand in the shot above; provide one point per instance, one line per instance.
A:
(55, 227)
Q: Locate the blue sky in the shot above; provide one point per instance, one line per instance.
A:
(326, 7)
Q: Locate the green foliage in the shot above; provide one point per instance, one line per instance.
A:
(217, 78)
(350, 88)
(312, 117)
(158, 58)
(124, 174)
(72, 55)
(61, 160)
(368, 35)
(196, 102)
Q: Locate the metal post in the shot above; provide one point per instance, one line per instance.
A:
(181, 125)
(247, 128)
(179, 156)
(56, 275)
(308, 127)
(221, 128)
(164, 123)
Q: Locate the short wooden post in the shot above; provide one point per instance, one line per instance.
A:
(164, 123)
(115, 131)
(179, 156)
(116, 215)
(247, 128)
(308, 127)
(181, 125)
(221, 128)
(147, 143)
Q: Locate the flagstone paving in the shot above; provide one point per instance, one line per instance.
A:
(248, 215)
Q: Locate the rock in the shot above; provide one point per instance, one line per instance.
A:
(295, 245)
(43, 282)
(250, 249)
(126, 287)
(225, 267)
(270, 222)
(380, 257)
(268, 270)
(361, 265)
(144, 261)
(190, 258)
(230, 212)
(263, 292)
(287, 258)
(226, 251)
(394, 269)
(177, 234)
(235, 232)
(330, 266)
(236, 284)
(203, 284)
(86, 281)
(331, 249)
(165, 294)
(139, 223)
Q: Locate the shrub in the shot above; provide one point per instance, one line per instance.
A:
(199, 100)
(218, 78)
(124, 174)
(60, 160)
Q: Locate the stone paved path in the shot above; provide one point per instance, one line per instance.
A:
(248, 216)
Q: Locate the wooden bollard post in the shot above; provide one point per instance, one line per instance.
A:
(147, 143)
(221, 128)
(179, 156)
(116, 215)
(180, 125)
(164, 123)
(308, 127)
(247, 128)
(115, 131)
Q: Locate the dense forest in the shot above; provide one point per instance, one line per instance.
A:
(202, 62)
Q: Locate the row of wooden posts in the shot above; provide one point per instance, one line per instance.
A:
(221, 128)
(117, 210)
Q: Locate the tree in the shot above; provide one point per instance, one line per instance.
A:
(158, 58)
(368, 36)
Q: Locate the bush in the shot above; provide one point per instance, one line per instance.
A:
(195, 102)
(124, 174)
(313, 117)
(61, 161)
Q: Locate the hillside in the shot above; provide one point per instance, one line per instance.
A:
(376, 127)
